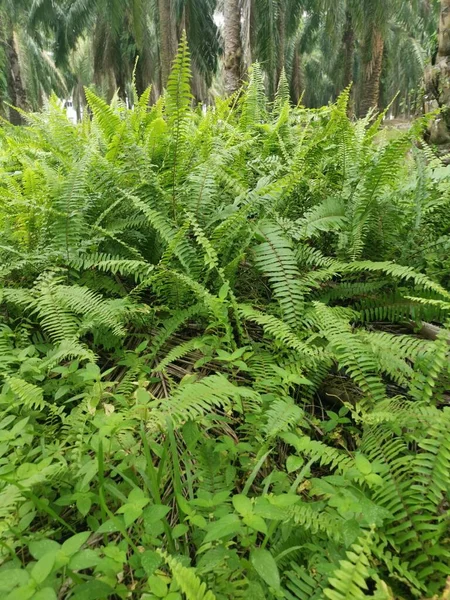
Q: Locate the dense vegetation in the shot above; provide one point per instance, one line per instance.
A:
(214, 383)
(383, 46)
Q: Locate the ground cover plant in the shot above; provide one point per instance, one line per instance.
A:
(217, 374)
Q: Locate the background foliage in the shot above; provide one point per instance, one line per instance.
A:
(322, 45)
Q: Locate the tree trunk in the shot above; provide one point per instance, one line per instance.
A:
(248, 33)
(16, 89)
(372, 68)
(183, 24)
(281, 41)
(443, 60)
(233, 46)
(349, 51)
(121, 86)
(296, 79)
(168, 38)
(444, 31)
(437, 81)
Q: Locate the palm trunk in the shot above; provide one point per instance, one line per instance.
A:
(372, 69)
(349, 51)
(296, 79)
(16, 89)
(443, 60)
(168, 38)
(444, 31)
(281, 41)
(198, 86)
(249, 32)
(437, 81)
(233, 46)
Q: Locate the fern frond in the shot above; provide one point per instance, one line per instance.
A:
(282, 416)
(177, 101)
(191, 401)
(349, 582)
(328, 216)
(190, 584)
(397, 271)
(275, 258)
(320, 452)
(280, 331)
(178, 352)
(108, 120)
(29, 395)
(428, 369)
(351, 352)
(312, 516)
(184, 252)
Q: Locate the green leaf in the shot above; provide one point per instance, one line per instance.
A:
(284, 500)
(266, 510)
(85, 559)
(266, 567)
(255, 522)
(158, 586)
(155, 513)
(84, 504)
(183, 503)
(40, 548)
(109, 526)
(131, 512)
(92, 590)
(150, 561)
(179, 530)
(374, 479)
(74, 543)
(22, 593)
(134, 508)
(294, 463)
(362, 464)
(42, 569)
(223, 292)
(137, 496)
(229, 525)
(142, 396)
(10, 578)
(47, 593)
(242, 504)
(199, 521)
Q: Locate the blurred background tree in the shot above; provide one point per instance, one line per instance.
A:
(382, 47)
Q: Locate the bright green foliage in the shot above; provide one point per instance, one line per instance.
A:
(211, 383)
(350, 580)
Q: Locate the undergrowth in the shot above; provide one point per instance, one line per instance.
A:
(213, 381)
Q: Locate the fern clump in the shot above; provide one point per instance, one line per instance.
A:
(215, 381)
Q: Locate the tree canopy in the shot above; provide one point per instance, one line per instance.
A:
(381, 46)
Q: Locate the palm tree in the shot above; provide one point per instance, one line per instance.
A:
(348, 43)
(31, 74)
(147, 30)
(437, 78)
(80, 74)
(197, 18)
(443, 60)
(360, 41)
(233, 45)
(11, 15)
(411, 35)
(372, 62)
(168, 37)
(371, 18)
(388, 29)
